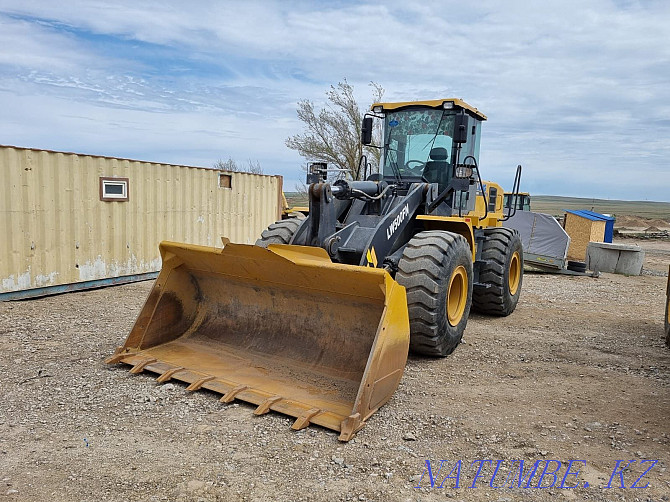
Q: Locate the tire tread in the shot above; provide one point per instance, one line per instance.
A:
(421, 271)
(495, 299)
(280, 232)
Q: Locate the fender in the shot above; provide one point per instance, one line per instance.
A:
(462, 226)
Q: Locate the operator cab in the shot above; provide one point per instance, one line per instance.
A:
(519, 201)
(426, 141)
(419, 138)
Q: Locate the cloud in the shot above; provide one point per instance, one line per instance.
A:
(577, 93)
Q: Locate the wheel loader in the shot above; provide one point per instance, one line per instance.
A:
(316, 319)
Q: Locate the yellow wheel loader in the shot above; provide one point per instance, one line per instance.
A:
(517, 201)
(316, 319)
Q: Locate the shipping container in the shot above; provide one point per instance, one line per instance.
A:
(70, 221)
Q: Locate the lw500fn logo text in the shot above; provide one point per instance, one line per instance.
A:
(397, 221)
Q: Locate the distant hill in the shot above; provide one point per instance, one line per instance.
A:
(555, 205)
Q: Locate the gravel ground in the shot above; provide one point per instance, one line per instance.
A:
(579, 371)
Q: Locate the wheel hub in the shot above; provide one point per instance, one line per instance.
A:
(514, 273)
(457, 295)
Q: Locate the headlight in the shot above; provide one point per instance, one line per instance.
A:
(377, 109)
(448, 105)
(463, 171)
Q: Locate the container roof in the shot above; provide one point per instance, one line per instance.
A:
(590, 215)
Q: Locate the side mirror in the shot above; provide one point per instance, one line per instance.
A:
(461, 128)
(366, 131)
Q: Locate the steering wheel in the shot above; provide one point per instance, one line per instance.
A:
(416, 170)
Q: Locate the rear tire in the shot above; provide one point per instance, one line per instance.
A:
(436, 270)
(280, 232)
(501, 273)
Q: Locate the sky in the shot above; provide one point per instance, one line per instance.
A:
(576, 92)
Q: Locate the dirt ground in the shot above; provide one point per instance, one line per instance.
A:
(578, 372)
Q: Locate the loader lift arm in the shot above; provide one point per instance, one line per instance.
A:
(376, 226)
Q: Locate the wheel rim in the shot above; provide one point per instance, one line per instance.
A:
(457, 295)
(514, 273)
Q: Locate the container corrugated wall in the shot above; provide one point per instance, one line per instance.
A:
(56, 230)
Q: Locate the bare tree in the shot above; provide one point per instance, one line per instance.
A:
(253, 166)
(333, 134)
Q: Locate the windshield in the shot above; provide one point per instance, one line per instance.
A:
(411, 135)
(522, 201)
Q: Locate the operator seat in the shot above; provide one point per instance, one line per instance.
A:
(436, 169)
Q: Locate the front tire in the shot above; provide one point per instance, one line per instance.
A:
(436, 270)
(501, 273)
(280, 232)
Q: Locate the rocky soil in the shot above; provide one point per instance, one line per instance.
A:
(578, 372)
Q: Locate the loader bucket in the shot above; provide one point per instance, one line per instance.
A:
(283, 328)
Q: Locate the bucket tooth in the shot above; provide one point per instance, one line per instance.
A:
(230, 395)
(303, 420)
(199, 383)
(265, 405)
(139, 367)
(117, 357)
(164, 377)
(350, 426)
